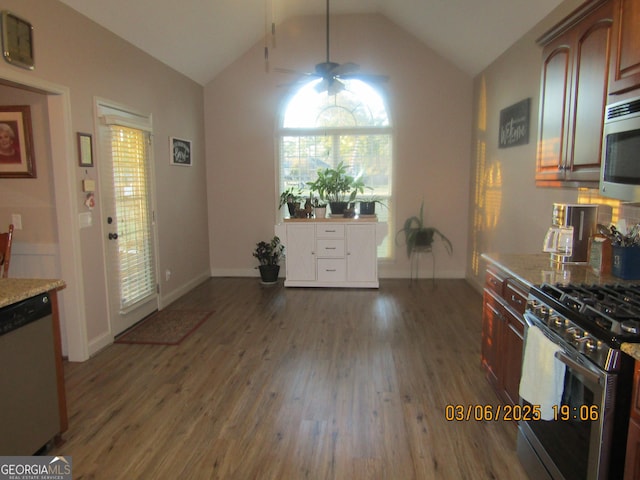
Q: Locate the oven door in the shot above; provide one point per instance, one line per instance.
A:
(576, 444)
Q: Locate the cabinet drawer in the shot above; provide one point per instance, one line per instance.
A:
(330, 230)
(332, 270)
(327, 247)
(515, 296)
(493, 282)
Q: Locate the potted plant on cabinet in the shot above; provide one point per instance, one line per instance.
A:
(336, 187)
(269, 255)
(368, 204)
(417, 236)
(292, 198)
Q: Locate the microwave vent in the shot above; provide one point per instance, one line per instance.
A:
(623, 109)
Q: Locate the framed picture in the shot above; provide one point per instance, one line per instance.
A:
(16, 142)
(180, 152)
(85, 150)
(514, 124)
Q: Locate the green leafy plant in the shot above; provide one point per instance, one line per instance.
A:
(269, 253)
(417, 235)
(290, 195)
(335, 185)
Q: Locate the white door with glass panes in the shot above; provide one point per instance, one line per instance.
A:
(127, 211)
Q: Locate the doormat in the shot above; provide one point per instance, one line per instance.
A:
(166, 327)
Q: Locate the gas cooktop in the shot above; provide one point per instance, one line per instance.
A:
(609, 312)
(593, 319)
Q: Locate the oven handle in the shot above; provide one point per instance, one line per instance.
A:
(564, 358)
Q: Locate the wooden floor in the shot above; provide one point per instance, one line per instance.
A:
(292, 384)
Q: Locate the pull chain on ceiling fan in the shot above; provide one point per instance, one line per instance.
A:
(268, 11)
(332, 74)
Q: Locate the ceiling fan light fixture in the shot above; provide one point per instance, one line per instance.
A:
(335, 87)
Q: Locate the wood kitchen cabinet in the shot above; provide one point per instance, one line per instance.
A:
(624, 73)
(334, 253)
(573, 96)
(502, 333)
(632, 459)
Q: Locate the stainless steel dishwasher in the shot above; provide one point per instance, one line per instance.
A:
(29, 415)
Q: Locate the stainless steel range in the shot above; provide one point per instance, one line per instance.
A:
(584, 433)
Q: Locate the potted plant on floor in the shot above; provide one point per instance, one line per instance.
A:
(417, 236)
(269, 255)
(337, 187)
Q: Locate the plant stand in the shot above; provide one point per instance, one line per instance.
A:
(415, 261)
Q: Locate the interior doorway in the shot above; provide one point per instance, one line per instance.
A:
(71, 298)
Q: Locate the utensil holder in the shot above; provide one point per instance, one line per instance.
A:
(626, 262)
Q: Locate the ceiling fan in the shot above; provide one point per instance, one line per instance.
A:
(332, 74)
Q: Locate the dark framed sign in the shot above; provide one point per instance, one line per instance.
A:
(16, 142)
(180, 152)
(85, 150)
(514, 124)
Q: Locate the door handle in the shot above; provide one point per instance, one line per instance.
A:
(568, 361)
(113, 236)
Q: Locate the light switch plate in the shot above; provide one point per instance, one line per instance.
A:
(16, 220)
(86, 219)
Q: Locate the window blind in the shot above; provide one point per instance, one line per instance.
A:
(129, 153)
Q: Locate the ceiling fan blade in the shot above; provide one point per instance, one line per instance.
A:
(365, 77)
(345, 68)
(294, 72)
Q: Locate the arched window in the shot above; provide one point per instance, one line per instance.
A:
(319, 130)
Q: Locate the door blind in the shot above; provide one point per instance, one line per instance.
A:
(129, 151)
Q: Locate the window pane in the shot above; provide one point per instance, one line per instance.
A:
(319, 131)
(357, 105)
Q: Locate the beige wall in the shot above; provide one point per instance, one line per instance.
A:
(75, 54)
(430, 104)
(508, 213)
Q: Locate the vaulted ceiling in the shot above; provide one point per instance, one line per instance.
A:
(199, 38)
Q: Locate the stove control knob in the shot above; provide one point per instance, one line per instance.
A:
(579, 335)
(591, 345)
(558, 322)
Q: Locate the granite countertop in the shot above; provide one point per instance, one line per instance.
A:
(14, 290)
(537, 268)
(534, 269)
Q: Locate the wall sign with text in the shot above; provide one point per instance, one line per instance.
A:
(180, 151)
(514, 125)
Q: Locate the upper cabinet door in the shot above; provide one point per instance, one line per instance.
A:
(591, 73)
(554, 101)
(625, 50)
(573, 94)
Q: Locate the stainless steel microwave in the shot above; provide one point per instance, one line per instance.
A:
(620, 171)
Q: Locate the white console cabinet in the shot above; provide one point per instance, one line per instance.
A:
(331, 252)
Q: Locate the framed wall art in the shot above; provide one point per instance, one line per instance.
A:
(85, 150)
(514, 124)
(16, 142)
(180, 152)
